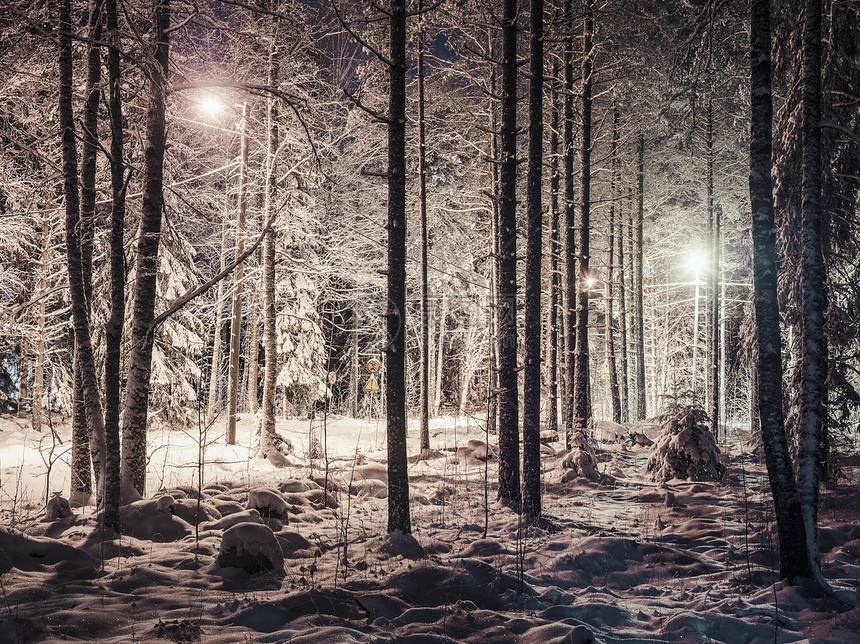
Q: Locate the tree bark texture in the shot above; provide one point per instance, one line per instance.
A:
(555, 252)
(641, 411)
(395, 351)
(116, 320)
(509, 438)
(424, 437)
(569, 269)
(813, 359)
(236, 315)
(622, 311)
(133, 468)
(534, 250)
(792, 547)
(614, 393)
(269, 254)
(77, 290)
(582, 375)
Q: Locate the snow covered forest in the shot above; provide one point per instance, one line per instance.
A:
(429, 320)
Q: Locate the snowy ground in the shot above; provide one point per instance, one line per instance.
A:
(622, 561)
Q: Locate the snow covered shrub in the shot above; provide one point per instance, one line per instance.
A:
(153, 520)
(685, 449)
(251, 547)
(268, 503)
(580, 461)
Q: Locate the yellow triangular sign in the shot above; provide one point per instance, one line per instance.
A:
(371, 384)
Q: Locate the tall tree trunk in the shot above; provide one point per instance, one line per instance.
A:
(792, 544)
(622, 311)
(554, 253)
(88, 194)
(236, 308)
(216, 341)
(83, 344)
(582, 375)
(569, 269)
(509, 435)
(23, 375)
(713, 288)
(395, 350)
(534, 250)
(133, 468)
(253, 375)
(495, 310)
(39, 375)
(116, 320)
(269, 254)
(813, 359)
(422, 200)
(614, 393)
(440, 356)
(641, 411)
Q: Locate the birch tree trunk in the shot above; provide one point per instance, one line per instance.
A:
(133, 467)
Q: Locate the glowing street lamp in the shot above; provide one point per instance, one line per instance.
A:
(697, 260)
(211, 106)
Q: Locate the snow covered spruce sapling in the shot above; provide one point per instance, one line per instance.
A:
(686, 448)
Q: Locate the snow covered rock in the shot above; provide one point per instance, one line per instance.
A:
(579, 463)
(373, 488)
(251, 547)
(607, 431)
(269, 504)
(153, 520)
(57, 508)
(685, 449)
(187, 510)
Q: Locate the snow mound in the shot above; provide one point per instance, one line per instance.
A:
(269, 504)
(606, 431)
(57, 508)
(228, 521)
(400, 543)
(373, 488)
(557, 634)
(685, 449)
(475, 452)
(251, 547)
(429, 584)
(30, 554)
(153, 520)
(187, 510)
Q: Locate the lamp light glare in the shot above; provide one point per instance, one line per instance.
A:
(211, 106)
(697, 261)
